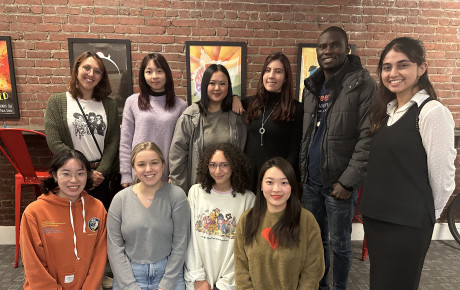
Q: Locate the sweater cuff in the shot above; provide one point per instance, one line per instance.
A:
(350, 189)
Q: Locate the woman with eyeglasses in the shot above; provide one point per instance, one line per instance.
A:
(73, 120)
(216, 204)
(206, 122)
(63, 233)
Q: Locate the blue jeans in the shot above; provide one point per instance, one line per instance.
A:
(148, 276)
(334, 217)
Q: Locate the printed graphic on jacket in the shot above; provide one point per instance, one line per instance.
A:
(216, 223)
(96, 124)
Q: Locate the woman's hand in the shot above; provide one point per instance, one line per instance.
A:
(125, 185)
(202, 285)
(98, 178)
(237, 106)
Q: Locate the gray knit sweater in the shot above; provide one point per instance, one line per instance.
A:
(148, 235)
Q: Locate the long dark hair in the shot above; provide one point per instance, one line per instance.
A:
(286, 230)
(415, 51)
(102, 89)
(239, 164)
(144, 95)
(286, 110)
(50, 184)
(227, 102)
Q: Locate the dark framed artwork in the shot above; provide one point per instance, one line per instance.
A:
(200, 54)
(116, 56)
(307, 64)
(9, 107)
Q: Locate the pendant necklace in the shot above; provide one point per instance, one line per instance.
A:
(262, 129)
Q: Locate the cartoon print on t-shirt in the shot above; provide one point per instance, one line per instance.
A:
(96, 124)
(216, 224)
(79, 125)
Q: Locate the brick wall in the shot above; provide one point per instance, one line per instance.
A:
(39, 35)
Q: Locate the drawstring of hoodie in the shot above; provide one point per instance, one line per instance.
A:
(73, 227)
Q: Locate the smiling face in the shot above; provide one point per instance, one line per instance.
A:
(220, 171)
(155, 77)
(89, 76)
(71, 178)
(218, 88)
(331, 52)
(276, 189)
(148, 167)
(400, 75)
(274, 76)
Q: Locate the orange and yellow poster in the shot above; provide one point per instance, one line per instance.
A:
(201, 54)
(8, 98)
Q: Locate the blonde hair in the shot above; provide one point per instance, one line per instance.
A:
(144, 146)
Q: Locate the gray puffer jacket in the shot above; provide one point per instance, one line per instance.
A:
(345, 143)
(188, 143)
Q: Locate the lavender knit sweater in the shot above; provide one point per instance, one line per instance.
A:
(156, 124)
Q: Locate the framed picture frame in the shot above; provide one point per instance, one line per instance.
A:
(9, 105)
(116, 56)
(307, 64)
(200, 54)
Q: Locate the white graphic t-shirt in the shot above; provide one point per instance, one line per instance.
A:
(81, 132)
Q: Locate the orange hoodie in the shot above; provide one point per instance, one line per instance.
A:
(64, 245)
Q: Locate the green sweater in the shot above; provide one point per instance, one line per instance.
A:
(58, 134)
(259, 266)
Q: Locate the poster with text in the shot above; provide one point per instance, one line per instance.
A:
(8, 96)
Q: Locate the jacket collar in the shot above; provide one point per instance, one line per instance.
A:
(313, 83)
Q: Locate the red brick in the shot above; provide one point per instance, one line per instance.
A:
(74, 28)
(49, 27)
(232, 6)
(106, 20)
(182, 4)
(178, 31)
(183, 22)
(111, 29)
(240, 33)
(54, 19)
(81, 2)
(157, 3)
(157, 22)
(152, 30)
(203, 31)
(233, 24)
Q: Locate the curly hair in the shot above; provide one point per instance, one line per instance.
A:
(239, 164)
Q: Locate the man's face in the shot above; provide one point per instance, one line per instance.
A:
(331, 51)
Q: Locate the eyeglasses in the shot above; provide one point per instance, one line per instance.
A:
(223, 166)
(66, 176)
(87, 69)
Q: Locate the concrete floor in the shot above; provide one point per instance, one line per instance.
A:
(441, 270)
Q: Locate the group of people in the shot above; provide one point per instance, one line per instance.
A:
(213, 192)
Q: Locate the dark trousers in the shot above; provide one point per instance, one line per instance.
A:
(107, 189)
(396, 253)
(334, 219)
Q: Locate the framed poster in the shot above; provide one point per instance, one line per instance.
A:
(116, 56)
(9, 107)
(200, 54)
(307, 64)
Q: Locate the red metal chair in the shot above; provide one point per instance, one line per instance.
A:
(355, 217)
(18, 155)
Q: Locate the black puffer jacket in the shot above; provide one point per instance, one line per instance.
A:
(345, 143)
